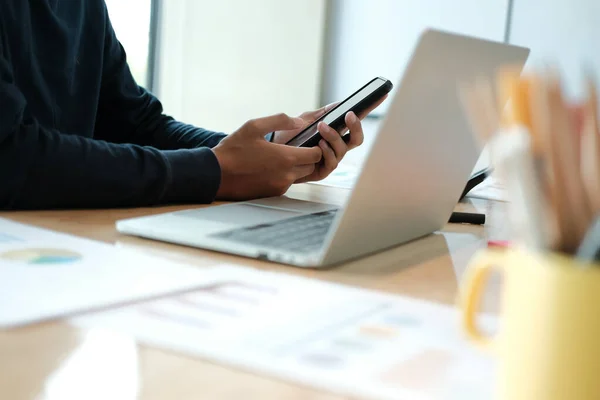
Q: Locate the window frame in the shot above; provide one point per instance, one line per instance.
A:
(154, 30)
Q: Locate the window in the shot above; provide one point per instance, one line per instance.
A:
(132, 21)
(224, 62)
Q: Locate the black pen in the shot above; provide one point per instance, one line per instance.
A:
(467, 218)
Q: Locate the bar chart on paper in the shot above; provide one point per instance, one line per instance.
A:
(212, 307)
(313, 333)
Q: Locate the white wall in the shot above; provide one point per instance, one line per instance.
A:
(224, 62)
(376, 37)
(563, 32)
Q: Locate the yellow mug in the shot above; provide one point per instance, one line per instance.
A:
(548, 343)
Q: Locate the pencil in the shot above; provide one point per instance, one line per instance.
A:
(540, 130)
(590, 149)
(516, 156)
(550, 165)
(566, 171)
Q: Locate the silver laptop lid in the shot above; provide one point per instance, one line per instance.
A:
(424, 153)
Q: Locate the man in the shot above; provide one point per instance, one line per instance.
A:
(77, 131)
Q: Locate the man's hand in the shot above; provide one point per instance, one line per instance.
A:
(251, 167)
(332, 145)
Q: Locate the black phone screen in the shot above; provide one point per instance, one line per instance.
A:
(339, 111)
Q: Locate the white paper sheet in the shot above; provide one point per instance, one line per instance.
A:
(345, 177)
(335, 338)
(45, 274)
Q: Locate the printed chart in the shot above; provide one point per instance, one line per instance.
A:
(6, 238)
(316, 334)
(41, 256)
(45, 274)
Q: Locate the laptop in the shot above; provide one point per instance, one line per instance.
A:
(409, 183)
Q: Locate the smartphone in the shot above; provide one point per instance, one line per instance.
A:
(361, 100)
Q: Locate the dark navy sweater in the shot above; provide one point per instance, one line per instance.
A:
(75, 128)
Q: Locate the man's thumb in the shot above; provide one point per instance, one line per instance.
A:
(277, 122)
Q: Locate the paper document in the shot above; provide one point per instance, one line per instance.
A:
(344, 176)
(45, 274)
(335, 338)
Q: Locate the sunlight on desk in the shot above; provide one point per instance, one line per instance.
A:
(104, 366)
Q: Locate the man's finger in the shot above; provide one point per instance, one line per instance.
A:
(333, 138)
(578, 115)
(356, 132)
(363, 114)
(366, 112)
(312, 116)
(330, 161)
(330, 106)
(277, 122)
(303, 155)
(302, 171)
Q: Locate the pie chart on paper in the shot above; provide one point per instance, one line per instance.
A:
(41, 256)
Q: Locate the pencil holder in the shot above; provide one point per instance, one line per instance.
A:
(548, 343)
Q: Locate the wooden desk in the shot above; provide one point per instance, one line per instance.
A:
(32, 357)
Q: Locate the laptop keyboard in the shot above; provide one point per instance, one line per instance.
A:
(303, 234)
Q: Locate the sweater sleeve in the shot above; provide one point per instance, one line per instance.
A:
(128, 113)
(42, 168)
